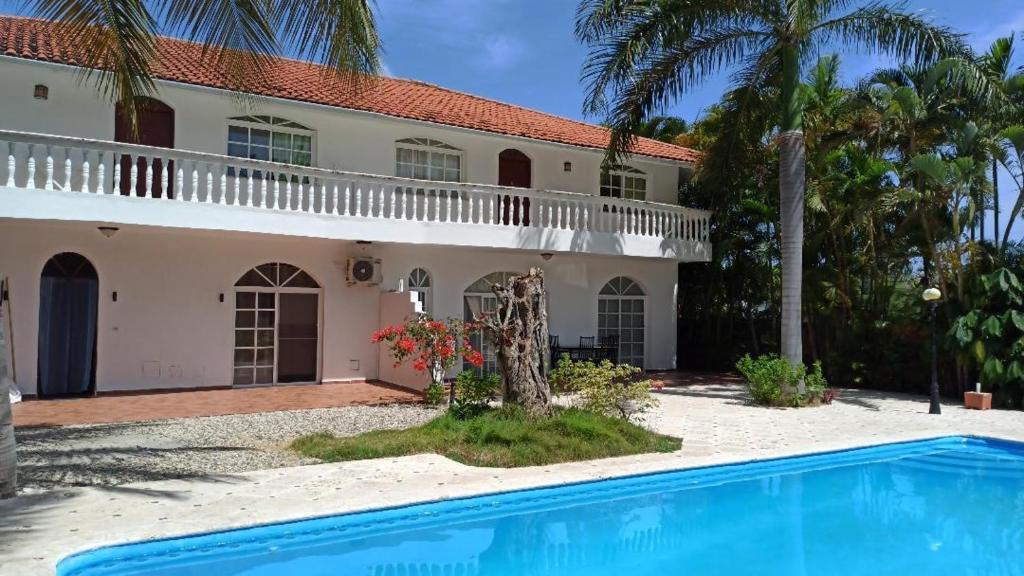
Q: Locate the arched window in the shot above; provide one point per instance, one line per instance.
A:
(270, 138)
(624, 182)
(277, 326)
(621, 306)
(427, 159)
(478, 299)
(68, 303)
(420, 282)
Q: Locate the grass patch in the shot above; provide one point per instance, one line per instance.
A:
(502, 437)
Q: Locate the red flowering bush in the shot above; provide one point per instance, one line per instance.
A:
(434, 346)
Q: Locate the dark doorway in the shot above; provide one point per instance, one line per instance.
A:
(156, 128)
(68, 302)
(297, 337)
(515, 170)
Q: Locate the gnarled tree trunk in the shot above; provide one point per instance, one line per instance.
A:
(519, 331)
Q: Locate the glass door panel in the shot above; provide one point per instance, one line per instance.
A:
(297, 337)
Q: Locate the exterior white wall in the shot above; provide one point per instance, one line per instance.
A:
(344, 140)
(168, 328)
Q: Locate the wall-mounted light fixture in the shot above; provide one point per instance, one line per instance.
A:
(108, 231)
(546, 256)
(113, 296)
(41, 92)
(567, 166)
(221, 298)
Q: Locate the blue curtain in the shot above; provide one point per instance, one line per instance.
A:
(67, 334)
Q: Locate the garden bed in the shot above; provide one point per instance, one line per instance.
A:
(499, 437)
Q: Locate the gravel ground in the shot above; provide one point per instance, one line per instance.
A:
(110, 454)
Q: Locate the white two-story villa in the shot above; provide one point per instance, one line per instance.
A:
(260, 240)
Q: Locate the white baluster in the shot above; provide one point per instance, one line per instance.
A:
(165, 168)
(209, 182)
(334, 197)
(195, 181)
(133, 176)
(86, 185)
(67, 170)
(348, 192)
(148, 193)
(276, 193)
(394, 199)
(308, 192)
(179, 182)
(236, 185)
(11, 164)
(370, 200)
(458, 206)
(288, 194)
(359, 199)
(222, 181)
(101, 172)
(586, 216)
(380, 200)
(30, 182)
(48, 185)
(248, 191)
(263, 189)
(117, 174)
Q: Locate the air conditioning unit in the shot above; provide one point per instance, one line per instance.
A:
(363, 271)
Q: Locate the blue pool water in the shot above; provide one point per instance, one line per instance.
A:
(936, 507)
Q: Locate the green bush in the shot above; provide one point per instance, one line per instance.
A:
(605, 388)
(473, 392)
(434, 393)
(773, 381)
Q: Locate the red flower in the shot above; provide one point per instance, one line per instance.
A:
(420, 365)
(476, 359)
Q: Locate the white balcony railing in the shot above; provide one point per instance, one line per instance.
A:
(80, 166)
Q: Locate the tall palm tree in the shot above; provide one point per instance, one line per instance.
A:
(240, 36)
(645, 54)
(997, 65)
(663, 128)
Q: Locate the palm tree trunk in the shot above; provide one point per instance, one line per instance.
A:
(8, 460)
(995, 202)
(792, 179)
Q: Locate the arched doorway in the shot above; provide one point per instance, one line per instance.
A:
(478, 299)
(68, 302)
(515, 169)
(156, 128)
(277, 326)
(621, 314)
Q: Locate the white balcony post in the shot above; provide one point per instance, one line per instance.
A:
(248, 191)
(348, 194)
(165, 169)
(195, 181)
(48, 184)
(370, 200)
(67, 170)
(86, 187)
(288, 193)
(149, 178)
(117, 174)
(236, 184)
(12, 164)
(263, 189)
(133, 181)
(101, 172)
(276, 193)
(179, 181)
(334, 197)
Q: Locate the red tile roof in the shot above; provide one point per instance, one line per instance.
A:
(182, 61)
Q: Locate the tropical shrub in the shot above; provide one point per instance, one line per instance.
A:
(990, 337)
(473, 393)
(773, 381)
(434, 346)
(605, 388)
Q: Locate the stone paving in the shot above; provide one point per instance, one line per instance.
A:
(714, 420)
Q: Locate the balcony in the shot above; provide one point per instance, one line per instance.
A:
(72, 179)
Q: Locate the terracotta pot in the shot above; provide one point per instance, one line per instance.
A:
(978, 400)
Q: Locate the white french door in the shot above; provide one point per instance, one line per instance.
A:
(277, 336)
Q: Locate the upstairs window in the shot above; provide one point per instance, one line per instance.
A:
(427, 159)
(270, 138)
(624, 182)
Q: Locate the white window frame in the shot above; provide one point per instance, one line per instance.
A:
(429, 145)
(619, 298)
(488, 302)
(276, 291)
(624, 172)
(425, 294)
(251, 122)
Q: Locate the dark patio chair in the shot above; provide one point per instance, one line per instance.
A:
(586, 341)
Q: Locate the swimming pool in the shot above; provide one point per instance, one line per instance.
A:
(945, 506)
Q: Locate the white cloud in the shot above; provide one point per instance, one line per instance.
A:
(982, 38)
(502, 52)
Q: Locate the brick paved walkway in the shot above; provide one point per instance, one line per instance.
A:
(191, 403)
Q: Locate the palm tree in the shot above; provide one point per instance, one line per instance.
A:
(663, 128)
(241, 37)
(645, 54)
(997, 65)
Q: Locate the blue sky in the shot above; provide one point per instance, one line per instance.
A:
(523, 51)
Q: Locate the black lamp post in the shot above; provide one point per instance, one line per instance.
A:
(932, 297)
